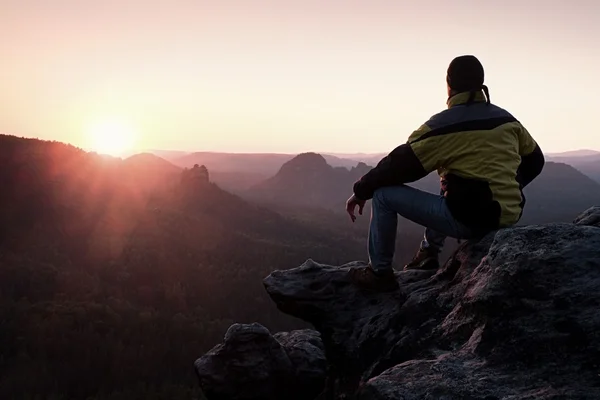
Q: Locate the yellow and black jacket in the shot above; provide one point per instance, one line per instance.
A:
(484, 157)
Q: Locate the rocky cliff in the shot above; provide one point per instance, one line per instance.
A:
(513, 316)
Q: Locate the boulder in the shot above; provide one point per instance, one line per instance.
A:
(590, 217)
(307, 354)
(252, 364)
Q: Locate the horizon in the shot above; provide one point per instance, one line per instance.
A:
(286, 77)
(580, 152)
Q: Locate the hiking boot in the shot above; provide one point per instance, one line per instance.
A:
(425, 259)
(366, 278)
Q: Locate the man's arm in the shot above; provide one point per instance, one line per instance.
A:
(400, 166)
(532, 159)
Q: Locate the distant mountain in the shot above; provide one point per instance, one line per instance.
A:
(367, 158)
(169, 155)
(266, 164)
(586, 161)
(308, 180)
(148, 172)
(575, 161)
(237, 182)
(335, 161)
(574, 153)
(590, 168)
(238, 172)
(150, 163)
(157, 167)
(558, 194)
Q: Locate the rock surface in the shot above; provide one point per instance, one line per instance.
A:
(512, 316)
(253, 364)
(590, 217)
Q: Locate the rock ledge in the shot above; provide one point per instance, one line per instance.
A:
(513, 316)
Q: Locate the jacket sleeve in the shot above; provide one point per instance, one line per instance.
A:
(532, 159)
(400, 166)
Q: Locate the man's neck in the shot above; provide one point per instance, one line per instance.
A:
(460, 98)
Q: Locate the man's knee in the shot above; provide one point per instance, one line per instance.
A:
(381, 195)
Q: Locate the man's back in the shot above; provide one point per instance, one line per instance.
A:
(483, 154)
(476, 148)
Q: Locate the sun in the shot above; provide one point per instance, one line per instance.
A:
(111, 136)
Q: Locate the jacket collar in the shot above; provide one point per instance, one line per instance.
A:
(463, 97)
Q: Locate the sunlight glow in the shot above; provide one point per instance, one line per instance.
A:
(111, 136)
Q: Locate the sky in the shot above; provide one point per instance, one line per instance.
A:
(288, 75)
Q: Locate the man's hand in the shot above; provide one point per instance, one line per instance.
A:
(351, 204)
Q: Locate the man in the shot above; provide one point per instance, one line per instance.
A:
(484, 157)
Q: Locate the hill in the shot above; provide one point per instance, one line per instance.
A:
(239, 172)
(236, 172)
(308, 180)
(110, 283)
(261, 163)
(151, 163)
(574, 154)
(591, 169)
(367, 158)
(169, 155)
(237, 182)
(586, 161)
(148, 170)
(557, 194)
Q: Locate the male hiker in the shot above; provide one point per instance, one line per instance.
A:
(484, 157)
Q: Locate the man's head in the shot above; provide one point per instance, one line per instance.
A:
(465, 74)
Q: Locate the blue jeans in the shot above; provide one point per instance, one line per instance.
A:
(423, 208)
